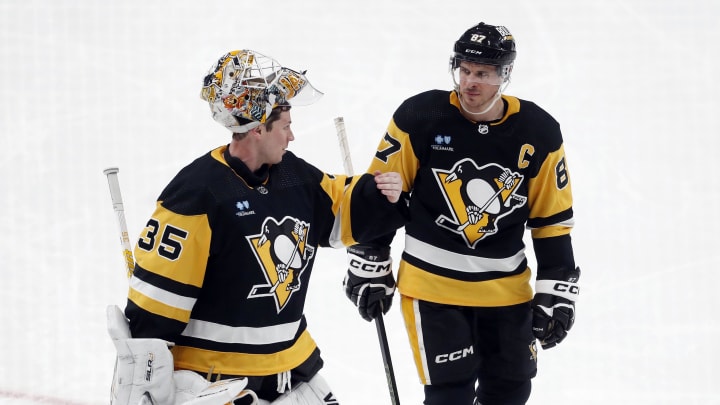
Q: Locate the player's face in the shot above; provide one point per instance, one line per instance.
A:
(276, 141)
(477, 84)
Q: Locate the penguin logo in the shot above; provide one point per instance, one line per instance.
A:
(533, 351)
(281, 250)
(477, 197)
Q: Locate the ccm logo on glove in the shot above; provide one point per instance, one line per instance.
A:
(569, 288)
(371, 267)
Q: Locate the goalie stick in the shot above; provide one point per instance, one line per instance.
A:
(117, 202)
(379, 323)
(219, 392)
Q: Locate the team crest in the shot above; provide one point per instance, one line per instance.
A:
(282, 252)
(533, 351)
(477, 198)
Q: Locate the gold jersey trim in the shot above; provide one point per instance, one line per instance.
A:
(159, 301)
(418, 283)
(244, 364)
(411, 314)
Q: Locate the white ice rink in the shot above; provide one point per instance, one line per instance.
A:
(87, 84)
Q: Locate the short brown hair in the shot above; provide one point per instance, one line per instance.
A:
(274, 116)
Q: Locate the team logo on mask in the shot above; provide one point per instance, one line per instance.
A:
(281, 250)
(477, 198)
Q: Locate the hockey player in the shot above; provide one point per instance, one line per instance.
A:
(481, 166)
(224, 262)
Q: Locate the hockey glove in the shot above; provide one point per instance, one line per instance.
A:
(556, 291)
(369, 282)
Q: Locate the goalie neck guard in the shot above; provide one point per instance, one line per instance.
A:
(244, 86)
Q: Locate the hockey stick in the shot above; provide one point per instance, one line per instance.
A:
(344, 147)
(379, 323)
(117, 202)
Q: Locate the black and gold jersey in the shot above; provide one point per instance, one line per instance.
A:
(475, 187)
(224, 262)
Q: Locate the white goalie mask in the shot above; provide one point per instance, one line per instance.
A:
(244, 86)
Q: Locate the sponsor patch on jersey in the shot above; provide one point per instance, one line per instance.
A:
(442, 142)
(243, 208)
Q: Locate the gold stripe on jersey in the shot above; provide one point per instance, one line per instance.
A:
(550, 231)
(217, 154)
(341, 235)
(187, 268)
(247, 364)
(418, 283)
(331, 188)
(157, 307)
(409, 308)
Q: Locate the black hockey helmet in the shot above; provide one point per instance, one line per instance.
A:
(485, 44)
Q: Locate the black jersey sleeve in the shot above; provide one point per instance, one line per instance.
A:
(371, 213)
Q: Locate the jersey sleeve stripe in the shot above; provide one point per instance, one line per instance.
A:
(158, 308)
(157, 294)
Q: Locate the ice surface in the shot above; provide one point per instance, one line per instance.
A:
(90, 84)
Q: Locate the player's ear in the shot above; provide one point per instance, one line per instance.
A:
(259, 130)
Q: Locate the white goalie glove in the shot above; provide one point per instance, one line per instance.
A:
(143, 367)
(145, 375)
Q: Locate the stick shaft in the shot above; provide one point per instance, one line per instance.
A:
(379, 323)
(387, 360)
(117, 202)
(344, 146)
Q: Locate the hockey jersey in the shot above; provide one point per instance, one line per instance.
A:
(475, 187)
(224, 263)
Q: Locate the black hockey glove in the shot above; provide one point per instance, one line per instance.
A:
(369, 282)
(556, 291)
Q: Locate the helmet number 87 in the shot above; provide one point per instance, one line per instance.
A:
(169, 246)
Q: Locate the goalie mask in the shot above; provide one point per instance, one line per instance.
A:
(487, 45)
(244, 86)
